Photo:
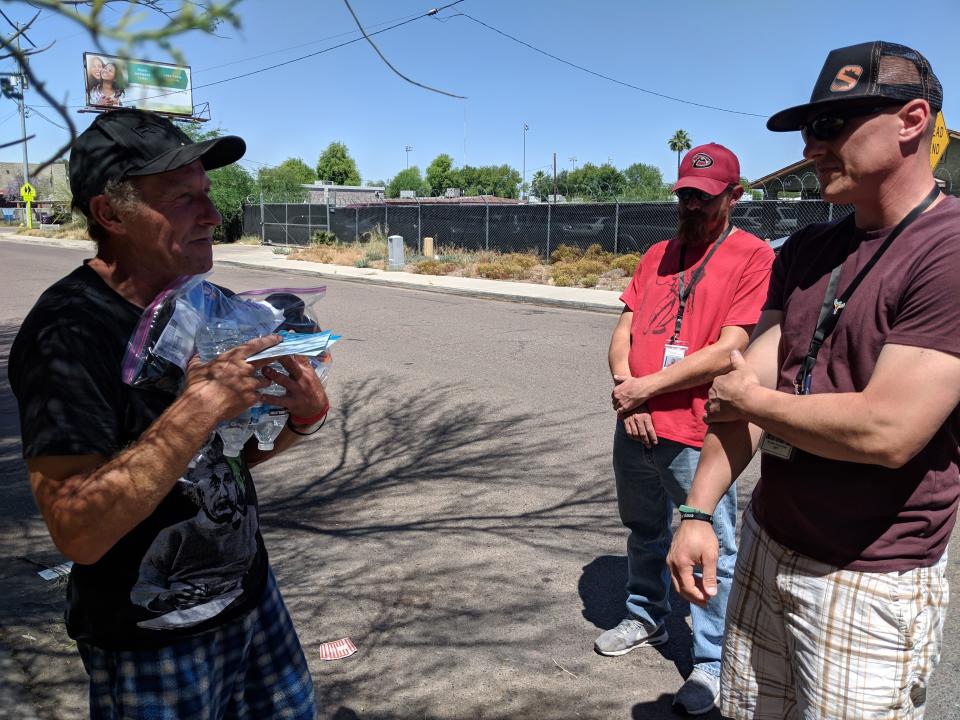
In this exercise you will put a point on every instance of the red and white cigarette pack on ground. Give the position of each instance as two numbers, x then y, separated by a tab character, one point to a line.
337	649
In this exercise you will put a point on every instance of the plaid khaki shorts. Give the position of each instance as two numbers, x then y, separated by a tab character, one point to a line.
807	641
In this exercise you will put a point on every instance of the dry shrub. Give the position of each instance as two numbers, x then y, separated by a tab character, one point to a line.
628	263
565	253
524	260
434	267
561	277
597	252
589	280
331	254
499	270
588	266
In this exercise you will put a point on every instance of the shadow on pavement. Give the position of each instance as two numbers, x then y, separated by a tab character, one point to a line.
603	593
660	709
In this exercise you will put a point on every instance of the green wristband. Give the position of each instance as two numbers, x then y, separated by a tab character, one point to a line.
691	513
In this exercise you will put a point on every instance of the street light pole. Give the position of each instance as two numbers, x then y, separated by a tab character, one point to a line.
23	114
523	184
408	148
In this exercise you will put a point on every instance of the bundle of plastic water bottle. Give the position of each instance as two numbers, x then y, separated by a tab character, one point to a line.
194	315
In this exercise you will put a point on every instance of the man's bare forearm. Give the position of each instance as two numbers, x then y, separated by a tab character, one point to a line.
727	450
618	357
696	369
88	512
838	426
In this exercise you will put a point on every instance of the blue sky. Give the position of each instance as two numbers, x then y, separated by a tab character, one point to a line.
754	57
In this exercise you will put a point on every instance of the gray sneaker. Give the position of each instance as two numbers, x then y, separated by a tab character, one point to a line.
699	694
629	634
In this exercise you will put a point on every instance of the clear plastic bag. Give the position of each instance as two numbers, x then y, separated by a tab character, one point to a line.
192	315
158	351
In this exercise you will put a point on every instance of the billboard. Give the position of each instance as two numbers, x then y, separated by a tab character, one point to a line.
117	82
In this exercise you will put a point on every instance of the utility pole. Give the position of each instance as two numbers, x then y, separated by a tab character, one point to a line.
573	159
523	183
554	177
408	148
23	113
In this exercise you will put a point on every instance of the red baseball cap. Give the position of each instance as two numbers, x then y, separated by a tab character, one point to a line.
711	168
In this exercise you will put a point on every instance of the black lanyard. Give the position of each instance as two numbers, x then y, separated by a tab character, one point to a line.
694	279
833	306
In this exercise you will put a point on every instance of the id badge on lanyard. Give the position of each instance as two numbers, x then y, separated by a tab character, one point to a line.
674	352
775	447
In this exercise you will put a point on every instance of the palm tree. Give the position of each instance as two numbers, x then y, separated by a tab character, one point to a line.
678	143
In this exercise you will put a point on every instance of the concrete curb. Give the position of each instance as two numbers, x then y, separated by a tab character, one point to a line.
603	301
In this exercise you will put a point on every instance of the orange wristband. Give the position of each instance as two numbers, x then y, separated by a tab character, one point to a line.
297	420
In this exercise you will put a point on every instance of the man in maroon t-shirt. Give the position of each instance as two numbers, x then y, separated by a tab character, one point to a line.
850	389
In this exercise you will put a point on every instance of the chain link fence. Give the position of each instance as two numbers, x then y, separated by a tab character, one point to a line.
507	227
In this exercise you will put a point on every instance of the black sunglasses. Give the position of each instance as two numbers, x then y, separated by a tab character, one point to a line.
685	194
832	124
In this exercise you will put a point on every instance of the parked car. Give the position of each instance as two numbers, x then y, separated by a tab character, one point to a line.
755	218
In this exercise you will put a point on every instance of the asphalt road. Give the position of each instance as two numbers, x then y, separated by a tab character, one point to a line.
456	518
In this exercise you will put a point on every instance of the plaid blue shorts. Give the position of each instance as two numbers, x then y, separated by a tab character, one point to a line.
250	669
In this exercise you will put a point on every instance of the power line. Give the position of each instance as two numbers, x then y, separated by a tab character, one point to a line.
297	47
326	50
601	75
388	63
33	109
17	28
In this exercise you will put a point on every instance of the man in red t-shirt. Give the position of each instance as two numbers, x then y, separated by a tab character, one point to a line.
692	301
850	389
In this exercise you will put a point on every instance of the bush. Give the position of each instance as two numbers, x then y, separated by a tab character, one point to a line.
589	280
628	263
562	278
361	263
524	260
565	253
323	237
433	267
588	266
596	251
427	267
499	271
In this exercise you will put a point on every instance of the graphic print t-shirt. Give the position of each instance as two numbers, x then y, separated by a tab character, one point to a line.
198	560
731	291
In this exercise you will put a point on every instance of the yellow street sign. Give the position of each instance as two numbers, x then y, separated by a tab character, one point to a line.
28	193
940	141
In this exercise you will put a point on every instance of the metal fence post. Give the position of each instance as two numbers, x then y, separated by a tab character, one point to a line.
549	208
263	227
328	214
419	230
616	225
487	225
356	225
286	222
830	212
386	219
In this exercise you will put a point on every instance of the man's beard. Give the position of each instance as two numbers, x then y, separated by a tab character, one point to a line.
695	227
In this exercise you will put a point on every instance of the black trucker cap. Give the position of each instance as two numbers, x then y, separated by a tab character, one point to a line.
869	72
129	142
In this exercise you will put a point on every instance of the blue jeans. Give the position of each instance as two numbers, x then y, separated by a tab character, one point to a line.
650	483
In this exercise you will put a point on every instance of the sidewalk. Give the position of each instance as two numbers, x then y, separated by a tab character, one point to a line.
258	256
